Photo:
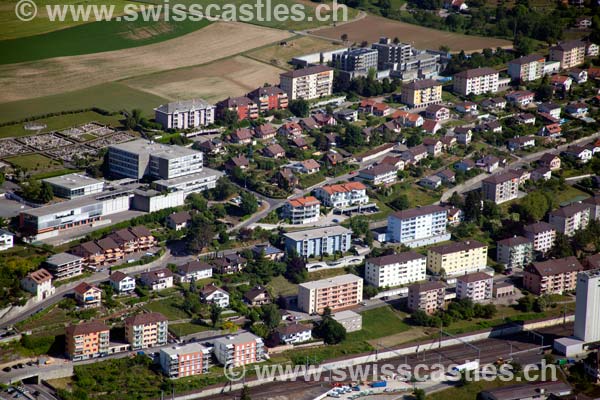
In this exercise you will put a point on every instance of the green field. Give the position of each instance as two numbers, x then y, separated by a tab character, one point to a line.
33	162
169	307
60	122
187	328
379	322
108	96
94	37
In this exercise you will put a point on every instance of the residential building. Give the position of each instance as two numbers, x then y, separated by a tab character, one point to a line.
527	68
431	126
179	220
265	131
158	279
570	54
319	241
414	155
496	103
568	220
550	108
477	81
193	271
418	226
146	330
464	165
421	93
541	173
587	307
594	204
64	265
274	151
240	162
293	333
309	166
551	161
501	187
396	269
110	248
87	340
463	135
39	283
269	98
71	186
184	360
531	391
307	83
354	60
121	282
237	350
408	119
432	182
514	252
230	264
552	276
467	107
257	296
302	210
542	235
434	146
457	258
338	292
578	153
561	82
186	114
344	195
525	118
592	50
380	174
350	320
6	239
93	256
488	163
552	131
348	115
290	130
577	110
243	106
447	175
477	286
268	251
579	75
87	295
503	289
521	143
212	294
391	53
428	296
520	98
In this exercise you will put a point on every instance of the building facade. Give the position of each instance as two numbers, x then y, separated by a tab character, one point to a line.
87	340
552	277
421	93
303	210
343	195
336	293
428	297
396	269
568	220
39	283
477	81
182	361
527	68
587	308
418	226
64	265
569	54
237	350
476	286
71	186
319	241
146	330
502	187
457	258
186	114
514	252
542	235
307	83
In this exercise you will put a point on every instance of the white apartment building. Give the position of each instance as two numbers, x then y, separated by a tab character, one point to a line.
237	350
477	286
294	333
568	220
542	234
587	307
74	185
193	271
457	258
157	280
307	83
396	269
418	226
527	68
476	81
501	187
336	293
39	283
344	195
64	265
319	241
514	252
303	210
212	294
380	174
187	360
186	114
6	240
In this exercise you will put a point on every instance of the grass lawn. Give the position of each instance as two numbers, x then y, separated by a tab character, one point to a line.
170	308
187	328
34	162
570	194
325	273
108	96
94	37
61	122
50	317
467	392
280	56
282	287
308	180
379	322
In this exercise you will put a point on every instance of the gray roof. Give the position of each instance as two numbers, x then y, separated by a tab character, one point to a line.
528	390
143	146
417	212
240	338
318	232
185	349
183	106
473	73
316	69
329	282
399	258
205	173
72	181
62	258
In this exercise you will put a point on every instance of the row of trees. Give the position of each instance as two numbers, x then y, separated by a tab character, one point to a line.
463	309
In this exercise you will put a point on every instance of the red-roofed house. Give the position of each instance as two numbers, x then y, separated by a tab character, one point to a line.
303	210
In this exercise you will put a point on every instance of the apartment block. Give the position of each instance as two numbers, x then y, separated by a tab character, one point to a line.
302	210
186	360
64	265
39	283
514	252
476	286
319	241
243	106
457	258
568	220
390	54
396	269
307	83
71	186
477	81
421	93
343	196
237	350
587	307
360	59
380	174
87	295
293	333
541	234
336	293
552	277
87	340
418	226
269	98
527	68
146	330
428	296
501	187
187	114
570	54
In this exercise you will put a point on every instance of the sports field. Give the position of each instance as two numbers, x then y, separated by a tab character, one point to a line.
214	81
371	28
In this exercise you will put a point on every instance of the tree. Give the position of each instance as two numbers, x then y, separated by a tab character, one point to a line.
200	234
296	269
419	394
245	395
299	108
215	314
401	202
534	206
248	203
344	37
331	331
472	208
229	117
270	315
524	45
353	136
525	303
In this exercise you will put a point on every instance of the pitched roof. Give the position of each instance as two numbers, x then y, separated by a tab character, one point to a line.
419	211
502	177
527	59
210	289
457	246
378	169
90	248
255	292
84	287
477	72
570	210
145	319
86	328
193	266
474	277
429	125
274	149
310	164
140	231
316	69
123	235
107	243
180	217
567	46
514	241
539	227
422	84
304	201
39	276
117	276
555	267
399	258
344	187
426	286
292	329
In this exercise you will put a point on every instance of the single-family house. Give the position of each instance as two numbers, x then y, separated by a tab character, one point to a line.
463	135
193	271
577	110
121	282
212	294
521	142
274	151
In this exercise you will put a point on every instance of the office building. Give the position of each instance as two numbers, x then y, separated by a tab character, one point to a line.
87	340
457	258
421	93
428	296
187	114
587	308
237	350
185	360
501	187
336	293
396	269
476	286
555	276
477	81
418	226
307	83
319	241
74	185
568	220
361	59
146	330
